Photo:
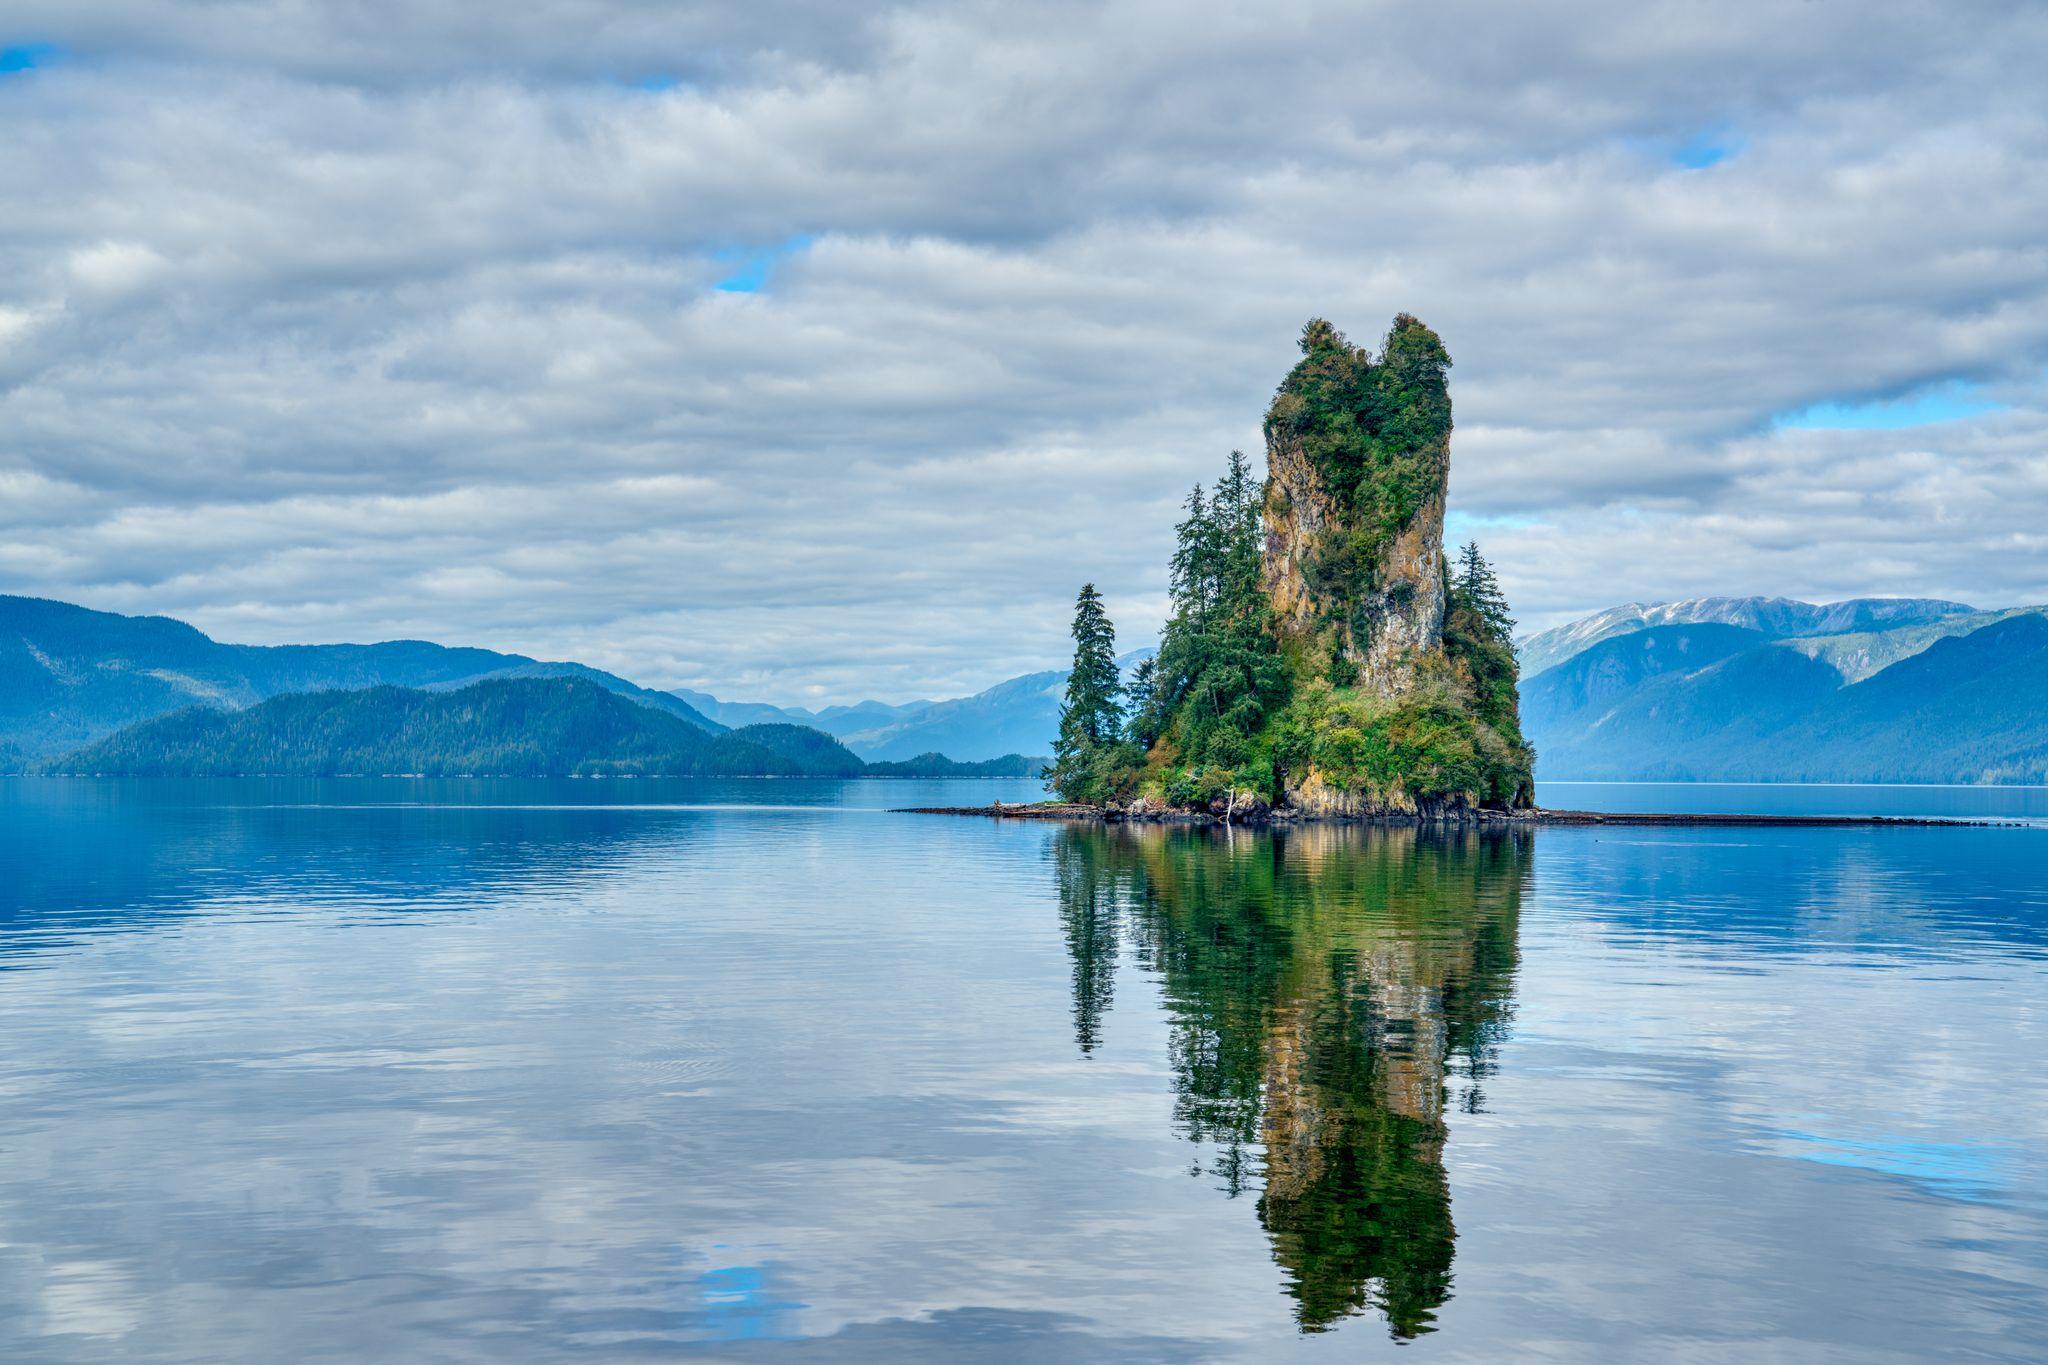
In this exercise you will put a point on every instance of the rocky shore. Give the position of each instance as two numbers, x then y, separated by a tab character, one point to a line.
1263	818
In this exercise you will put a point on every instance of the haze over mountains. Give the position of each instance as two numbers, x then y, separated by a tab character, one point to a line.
1019	715
1764	689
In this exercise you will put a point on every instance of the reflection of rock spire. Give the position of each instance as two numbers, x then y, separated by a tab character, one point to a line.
1324	984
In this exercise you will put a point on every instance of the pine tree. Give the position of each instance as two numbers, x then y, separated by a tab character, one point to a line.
1091	720
1218	674
1477	588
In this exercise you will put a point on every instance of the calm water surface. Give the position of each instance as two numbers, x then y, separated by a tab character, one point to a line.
760	1071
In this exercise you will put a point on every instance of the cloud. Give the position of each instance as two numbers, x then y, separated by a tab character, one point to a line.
806	355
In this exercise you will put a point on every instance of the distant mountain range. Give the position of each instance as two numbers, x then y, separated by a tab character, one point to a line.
1777	617
1752	688
70	677
1759	689
1021	715
500	727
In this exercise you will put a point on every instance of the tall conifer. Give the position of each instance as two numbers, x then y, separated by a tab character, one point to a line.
1091	720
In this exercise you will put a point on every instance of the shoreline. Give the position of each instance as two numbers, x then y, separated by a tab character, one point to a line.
1081	814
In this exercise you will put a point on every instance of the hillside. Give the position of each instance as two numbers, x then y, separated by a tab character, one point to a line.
1715	703
1666	702
515	727
69	675
814	753
1972	708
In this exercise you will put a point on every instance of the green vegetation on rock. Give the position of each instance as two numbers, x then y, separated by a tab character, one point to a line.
1320	655
1373	431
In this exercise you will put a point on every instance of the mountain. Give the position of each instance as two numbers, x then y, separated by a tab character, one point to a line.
1018	716
863	716
1667	703
734	714
1715	702
610	682
1776	617
1591	682
515	727
1971	708
69	675
837	721
1858	655
815	753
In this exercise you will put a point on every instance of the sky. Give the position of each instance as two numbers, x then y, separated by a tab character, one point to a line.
806	353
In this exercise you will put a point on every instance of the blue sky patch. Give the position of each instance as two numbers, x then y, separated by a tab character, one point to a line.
751	266
1709	147
25	57
1946	402
1460	527
1693	151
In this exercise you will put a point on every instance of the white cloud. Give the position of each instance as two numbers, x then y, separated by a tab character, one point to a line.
401	320
111	269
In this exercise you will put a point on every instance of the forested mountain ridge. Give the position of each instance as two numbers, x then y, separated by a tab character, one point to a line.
69	675
507	727
500	727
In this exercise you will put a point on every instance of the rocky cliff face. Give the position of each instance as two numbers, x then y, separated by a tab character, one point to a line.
1358	453
1397	611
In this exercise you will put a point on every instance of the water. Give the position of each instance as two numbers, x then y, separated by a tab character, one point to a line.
2029	804
757	1070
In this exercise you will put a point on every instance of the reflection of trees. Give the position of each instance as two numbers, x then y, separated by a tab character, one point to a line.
1328	989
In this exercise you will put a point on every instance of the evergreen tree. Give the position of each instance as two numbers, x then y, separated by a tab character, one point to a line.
1090	741
1476	587
1218	674
1479	639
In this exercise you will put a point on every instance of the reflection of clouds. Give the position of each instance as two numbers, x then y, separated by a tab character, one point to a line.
839	1050
563	1121
88	1298
1675	1028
